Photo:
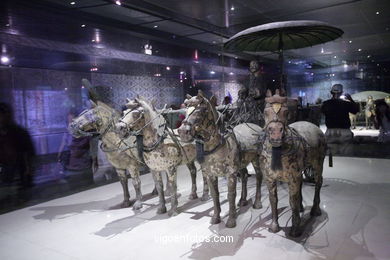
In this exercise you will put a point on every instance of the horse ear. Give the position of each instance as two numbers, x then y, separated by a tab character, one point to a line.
153	103
268	93
93	104
277	92
128	100
200	94
282	92
188	96
213	100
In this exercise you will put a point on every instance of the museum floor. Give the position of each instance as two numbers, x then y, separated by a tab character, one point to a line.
355	223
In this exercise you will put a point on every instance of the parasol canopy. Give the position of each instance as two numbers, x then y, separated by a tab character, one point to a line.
279	36
363	96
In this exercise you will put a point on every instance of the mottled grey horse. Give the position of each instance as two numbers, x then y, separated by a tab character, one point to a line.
286	151
122	154
162	150
222	154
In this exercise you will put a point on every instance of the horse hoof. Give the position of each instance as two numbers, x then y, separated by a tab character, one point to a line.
161	210
274	228
154	191
315	212
242	203
215	220
125	204
193	196
205	197
231	223
173	212
294	232
137	205
257	205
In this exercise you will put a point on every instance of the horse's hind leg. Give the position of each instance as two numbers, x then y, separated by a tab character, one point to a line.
294	187
168	189
315	210
232	190
137	186
244	190
160	190
259	179
213	184
205	195
273	198
192	168
123	180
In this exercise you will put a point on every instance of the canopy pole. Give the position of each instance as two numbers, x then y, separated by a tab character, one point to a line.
281	61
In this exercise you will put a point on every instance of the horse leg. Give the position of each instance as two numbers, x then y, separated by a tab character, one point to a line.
213	184
123	180
168	190
259	180
172	177
315	210
205	195
192	168
232	185
301	208
273	199
295	202
160	190
137	186
244	192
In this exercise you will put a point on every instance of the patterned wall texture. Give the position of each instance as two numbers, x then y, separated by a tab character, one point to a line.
221	90
116	88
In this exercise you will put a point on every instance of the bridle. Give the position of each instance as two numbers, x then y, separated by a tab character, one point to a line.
97	121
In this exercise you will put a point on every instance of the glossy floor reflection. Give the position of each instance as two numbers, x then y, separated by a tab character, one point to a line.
355	223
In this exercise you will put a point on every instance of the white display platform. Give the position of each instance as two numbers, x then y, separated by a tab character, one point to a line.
355	223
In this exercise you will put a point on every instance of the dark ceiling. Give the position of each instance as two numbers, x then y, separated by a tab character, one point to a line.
207	23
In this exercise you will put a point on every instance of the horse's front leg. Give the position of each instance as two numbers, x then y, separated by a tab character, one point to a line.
273	199
123	180
168	189
294	187
232	185
160	190
244	192
133	169
205	195
213	184
259	179
172	178
192	168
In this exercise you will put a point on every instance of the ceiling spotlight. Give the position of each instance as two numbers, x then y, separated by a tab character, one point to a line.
335	57
65	89
377	13
377	64
212	72
117	2
231	73
273	80
182	72
4	59
322	50
232	8
83	25
359	49
82	86
168	68
345	65
7	25
236	57
214	42
72	3
155	26
350	41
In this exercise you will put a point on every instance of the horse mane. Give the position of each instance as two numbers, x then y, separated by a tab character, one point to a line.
151	115
115	113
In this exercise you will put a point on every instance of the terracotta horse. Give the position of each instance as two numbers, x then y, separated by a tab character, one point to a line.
369	112
222	154
122	154
162	150
287	151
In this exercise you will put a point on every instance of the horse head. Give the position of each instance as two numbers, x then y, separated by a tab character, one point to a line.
275	115
201	118
95	120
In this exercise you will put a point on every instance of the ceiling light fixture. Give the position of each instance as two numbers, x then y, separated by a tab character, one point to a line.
231	73
83	25
155	26
72	3
359	49
322	50
5	59
168	68
350	41
377	13
335	57
232	8
212	72
117	2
